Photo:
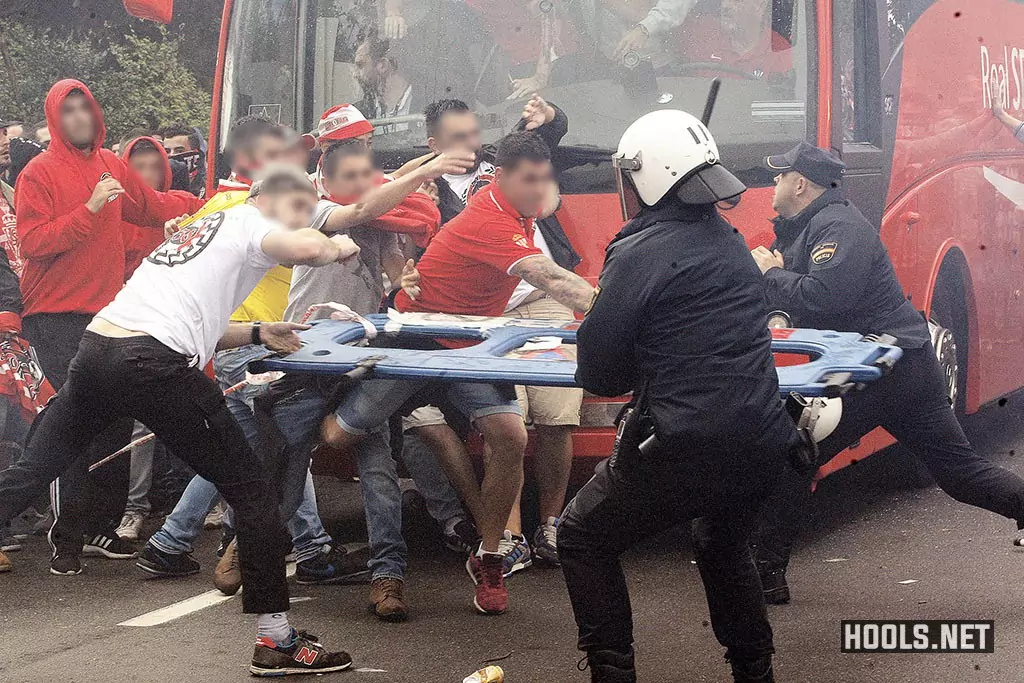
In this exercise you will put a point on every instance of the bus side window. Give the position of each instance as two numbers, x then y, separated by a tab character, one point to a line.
857	101
856	70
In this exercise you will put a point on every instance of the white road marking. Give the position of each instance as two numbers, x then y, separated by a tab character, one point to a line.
186	607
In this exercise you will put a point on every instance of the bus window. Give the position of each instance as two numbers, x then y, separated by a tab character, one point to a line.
857	70
605	62
260	68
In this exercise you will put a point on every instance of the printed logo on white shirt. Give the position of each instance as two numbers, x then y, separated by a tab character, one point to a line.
187	243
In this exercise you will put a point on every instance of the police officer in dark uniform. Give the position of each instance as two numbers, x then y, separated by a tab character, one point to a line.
681	320
828	269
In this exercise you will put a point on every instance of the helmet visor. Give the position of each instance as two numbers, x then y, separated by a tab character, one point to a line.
629	198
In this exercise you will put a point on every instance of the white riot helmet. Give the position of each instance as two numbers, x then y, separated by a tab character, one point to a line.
670	150
818	417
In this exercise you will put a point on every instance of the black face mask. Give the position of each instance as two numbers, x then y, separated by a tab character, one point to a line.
193	159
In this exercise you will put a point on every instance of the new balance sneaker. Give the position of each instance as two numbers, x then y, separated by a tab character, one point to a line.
65	564
461	537
227	577
545	541
491	595
158	563
334	564
387	599
112	547
5	564
515	552
130	526
303	655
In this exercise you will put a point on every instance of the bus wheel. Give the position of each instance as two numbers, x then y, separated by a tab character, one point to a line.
948	326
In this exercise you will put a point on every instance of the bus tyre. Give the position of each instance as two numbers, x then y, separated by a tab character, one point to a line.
948	326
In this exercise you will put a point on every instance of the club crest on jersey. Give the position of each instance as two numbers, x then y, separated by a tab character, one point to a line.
187	243
823	253
479	183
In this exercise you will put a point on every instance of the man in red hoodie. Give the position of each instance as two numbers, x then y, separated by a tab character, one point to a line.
149	159
71	203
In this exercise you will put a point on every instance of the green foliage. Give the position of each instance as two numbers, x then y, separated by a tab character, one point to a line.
140	82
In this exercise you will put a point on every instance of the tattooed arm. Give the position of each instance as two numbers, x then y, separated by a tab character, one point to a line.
564	286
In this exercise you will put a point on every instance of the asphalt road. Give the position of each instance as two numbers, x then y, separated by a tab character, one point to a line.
868	533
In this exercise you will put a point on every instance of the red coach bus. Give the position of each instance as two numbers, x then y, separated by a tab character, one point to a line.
902	89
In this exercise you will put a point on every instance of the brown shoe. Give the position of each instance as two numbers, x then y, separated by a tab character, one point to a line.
227	577
5	564
387	598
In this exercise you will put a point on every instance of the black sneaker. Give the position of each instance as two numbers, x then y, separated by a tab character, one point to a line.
334	565
226	536
113	547
65	564
159	563
609	666
463	539
304	655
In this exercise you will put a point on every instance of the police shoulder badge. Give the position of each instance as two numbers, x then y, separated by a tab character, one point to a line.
823	253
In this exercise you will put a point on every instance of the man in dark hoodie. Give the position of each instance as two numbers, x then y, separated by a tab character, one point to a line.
71	202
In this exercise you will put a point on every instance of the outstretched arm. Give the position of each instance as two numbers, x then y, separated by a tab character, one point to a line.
564	286
307	247
389	195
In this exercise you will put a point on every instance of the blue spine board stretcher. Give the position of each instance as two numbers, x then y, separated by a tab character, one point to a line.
521	351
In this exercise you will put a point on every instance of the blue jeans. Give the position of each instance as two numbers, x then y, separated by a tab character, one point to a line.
372	402
378	479
296	422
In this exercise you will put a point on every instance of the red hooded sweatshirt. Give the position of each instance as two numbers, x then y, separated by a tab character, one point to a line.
140	241
74	259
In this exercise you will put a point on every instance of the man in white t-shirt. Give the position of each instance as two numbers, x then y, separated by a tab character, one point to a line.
142	357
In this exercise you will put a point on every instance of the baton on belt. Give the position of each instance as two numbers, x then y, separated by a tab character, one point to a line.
149	437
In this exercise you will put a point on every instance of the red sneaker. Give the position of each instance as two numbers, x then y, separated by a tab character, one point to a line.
487	573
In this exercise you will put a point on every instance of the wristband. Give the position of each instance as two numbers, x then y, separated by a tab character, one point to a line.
254	335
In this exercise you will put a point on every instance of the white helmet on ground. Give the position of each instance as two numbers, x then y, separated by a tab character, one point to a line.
819	417
670	150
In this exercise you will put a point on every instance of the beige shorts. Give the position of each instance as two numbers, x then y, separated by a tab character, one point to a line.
548	406
425	416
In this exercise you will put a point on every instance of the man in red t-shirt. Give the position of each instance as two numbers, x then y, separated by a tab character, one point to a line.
472	267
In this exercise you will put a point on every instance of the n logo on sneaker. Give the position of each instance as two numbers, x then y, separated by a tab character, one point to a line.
306	655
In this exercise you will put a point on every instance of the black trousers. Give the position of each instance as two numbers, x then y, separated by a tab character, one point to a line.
84	503
629	500
141	379
911	404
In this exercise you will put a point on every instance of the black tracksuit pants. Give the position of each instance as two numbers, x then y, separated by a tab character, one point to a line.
139	378
630	500
911	404
84	503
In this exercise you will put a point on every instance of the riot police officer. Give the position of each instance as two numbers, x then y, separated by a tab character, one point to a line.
828	269
680	319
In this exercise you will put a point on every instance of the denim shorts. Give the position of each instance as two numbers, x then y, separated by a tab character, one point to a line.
373	401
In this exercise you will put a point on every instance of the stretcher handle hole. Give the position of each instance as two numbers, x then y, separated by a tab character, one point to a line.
321	352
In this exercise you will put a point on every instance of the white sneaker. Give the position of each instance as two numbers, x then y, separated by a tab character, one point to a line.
131	525
215	517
